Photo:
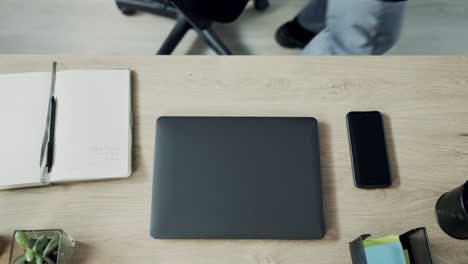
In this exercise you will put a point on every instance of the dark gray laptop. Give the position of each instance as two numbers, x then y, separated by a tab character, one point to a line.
237	177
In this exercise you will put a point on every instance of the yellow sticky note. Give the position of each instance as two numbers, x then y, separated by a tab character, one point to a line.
381	240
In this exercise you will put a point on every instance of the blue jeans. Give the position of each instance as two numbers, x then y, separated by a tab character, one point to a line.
352	27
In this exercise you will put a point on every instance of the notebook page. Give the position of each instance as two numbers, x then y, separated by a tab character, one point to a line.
24	99
93	125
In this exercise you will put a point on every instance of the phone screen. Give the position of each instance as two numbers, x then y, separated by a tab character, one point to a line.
368	150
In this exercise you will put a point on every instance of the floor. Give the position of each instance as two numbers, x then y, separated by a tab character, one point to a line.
433	27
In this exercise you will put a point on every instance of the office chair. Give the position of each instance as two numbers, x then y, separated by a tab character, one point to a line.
189	15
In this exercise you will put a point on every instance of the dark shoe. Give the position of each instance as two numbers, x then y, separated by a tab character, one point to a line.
293	35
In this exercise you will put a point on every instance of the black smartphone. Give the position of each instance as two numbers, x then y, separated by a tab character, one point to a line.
369	157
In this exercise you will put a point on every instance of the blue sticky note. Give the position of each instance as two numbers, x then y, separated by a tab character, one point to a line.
390	253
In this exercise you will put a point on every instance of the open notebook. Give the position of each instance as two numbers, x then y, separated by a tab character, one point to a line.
93	126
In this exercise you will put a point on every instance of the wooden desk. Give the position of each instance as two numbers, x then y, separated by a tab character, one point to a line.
425	100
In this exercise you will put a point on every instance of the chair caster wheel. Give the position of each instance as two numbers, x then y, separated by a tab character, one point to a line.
261	5
127	11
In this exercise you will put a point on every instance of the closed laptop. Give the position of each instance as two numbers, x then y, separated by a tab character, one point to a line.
237	177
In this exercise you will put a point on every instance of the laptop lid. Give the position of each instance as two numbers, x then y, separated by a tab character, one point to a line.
237	177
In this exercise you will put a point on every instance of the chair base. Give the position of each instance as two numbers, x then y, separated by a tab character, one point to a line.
183	24
179	31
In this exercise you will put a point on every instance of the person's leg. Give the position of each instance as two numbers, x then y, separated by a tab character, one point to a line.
301	29
358	27
312	17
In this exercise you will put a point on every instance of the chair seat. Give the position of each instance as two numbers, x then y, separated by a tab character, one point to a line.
224	11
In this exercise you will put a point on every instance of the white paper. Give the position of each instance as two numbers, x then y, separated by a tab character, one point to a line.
93	125
24	99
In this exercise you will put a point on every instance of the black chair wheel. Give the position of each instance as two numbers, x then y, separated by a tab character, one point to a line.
127	11
261	5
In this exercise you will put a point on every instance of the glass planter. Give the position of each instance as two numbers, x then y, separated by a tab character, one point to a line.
60	255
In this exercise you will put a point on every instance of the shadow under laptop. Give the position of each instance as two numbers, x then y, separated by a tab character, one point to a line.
328	183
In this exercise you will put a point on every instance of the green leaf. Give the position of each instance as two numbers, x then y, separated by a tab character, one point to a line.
30	255
39	260
20	260
32	241
41	242
48	260
22	240
53	243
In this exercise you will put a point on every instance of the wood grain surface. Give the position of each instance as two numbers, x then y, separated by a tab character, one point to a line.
425	102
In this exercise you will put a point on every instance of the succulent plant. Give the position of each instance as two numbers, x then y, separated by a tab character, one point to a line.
36	251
